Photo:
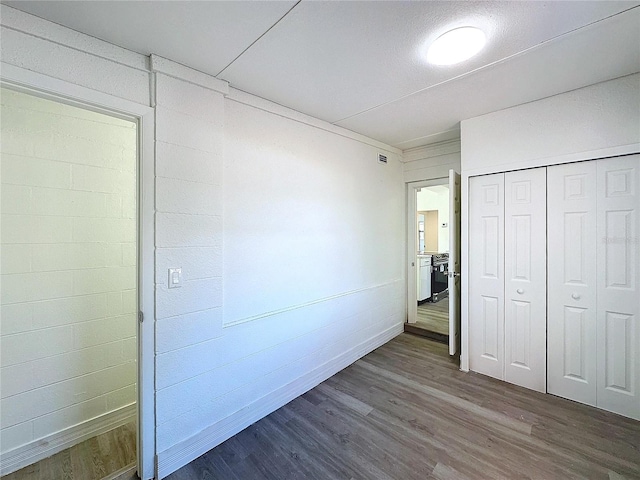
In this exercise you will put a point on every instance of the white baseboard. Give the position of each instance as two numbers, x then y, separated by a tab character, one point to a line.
188	450
44	447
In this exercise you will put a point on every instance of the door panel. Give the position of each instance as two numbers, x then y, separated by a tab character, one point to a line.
571	322
491	328
618	307
520	315
525	278
492	251
486	275
618	357
575	347
454	261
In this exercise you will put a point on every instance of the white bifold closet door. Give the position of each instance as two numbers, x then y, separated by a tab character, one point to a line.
594	296
486	275
571	322
525	314
507	277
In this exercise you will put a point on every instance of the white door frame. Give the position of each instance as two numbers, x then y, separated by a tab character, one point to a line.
69	93
412	234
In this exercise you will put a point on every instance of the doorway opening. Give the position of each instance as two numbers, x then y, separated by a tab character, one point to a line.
70	289
433	242
432	204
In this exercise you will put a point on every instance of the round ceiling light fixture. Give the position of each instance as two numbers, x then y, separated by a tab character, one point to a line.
456	46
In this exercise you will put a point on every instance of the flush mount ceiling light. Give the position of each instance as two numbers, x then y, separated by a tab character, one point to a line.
456	46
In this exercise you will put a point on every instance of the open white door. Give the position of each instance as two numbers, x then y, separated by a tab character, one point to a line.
454	261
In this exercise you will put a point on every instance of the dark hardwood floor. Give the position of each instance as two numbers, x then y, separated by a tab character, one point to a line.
405	412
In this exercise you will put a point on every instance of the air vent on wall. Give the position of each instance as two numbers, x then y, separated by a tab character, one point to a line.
382	158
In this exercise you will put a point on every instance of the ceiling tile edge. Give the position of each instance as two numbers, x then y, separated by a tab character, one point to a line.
286	112
432	150
177	70
28	24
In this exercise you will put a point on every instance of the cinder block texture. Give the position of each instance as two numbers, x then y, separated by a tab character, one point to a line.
68	266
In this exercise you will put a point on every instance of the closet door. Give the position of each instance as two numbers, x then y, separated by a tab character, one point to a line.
618	292
525	285
486	275
571	322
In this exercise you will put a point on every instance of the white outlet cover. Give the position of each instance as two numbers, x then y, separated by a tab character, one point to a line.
175	277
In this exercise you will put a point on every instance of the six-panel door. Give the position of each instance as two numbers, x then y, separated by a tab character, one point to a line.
618	292
571	322
525	278
486	275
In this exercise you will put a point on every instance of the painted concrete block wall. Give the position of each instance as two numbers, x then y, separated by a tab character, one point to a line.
44	47
290	240
68	183
213	380
189	208
555	129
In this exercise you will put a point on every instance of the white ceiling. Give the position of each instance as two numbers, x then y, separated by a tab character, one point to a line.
358	64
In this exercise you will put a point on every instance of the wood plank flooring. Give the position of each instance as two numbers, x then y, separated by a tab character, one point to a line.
103	456
434	316
432	321
406	412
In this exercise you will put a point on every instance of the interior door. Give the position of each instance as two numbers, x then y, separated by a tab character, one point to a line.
486	275
571	291
618	288
454	261
525	285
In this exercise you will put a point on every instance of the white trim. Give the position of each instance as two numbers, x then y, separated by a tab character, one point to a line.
184	452
432	150
36	450
45	86
617	151
464	275
60	90
55	33
432	138
232	323
188	74
268	106
146	447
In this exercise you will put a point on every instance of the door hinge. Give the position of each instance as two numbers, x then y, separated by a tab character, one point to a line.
140	317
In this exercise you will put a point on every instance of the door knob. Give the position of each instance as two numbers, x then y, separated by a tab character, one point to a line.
575	296
519	291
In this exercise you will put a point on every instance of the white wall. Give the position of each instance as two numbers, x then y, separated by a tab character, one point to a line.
308	215
571	126
236	178
432	199
309	278
596	121
68	179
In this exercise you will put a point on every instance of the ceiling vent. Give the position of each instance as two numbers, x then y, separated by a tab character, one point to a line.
382	158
